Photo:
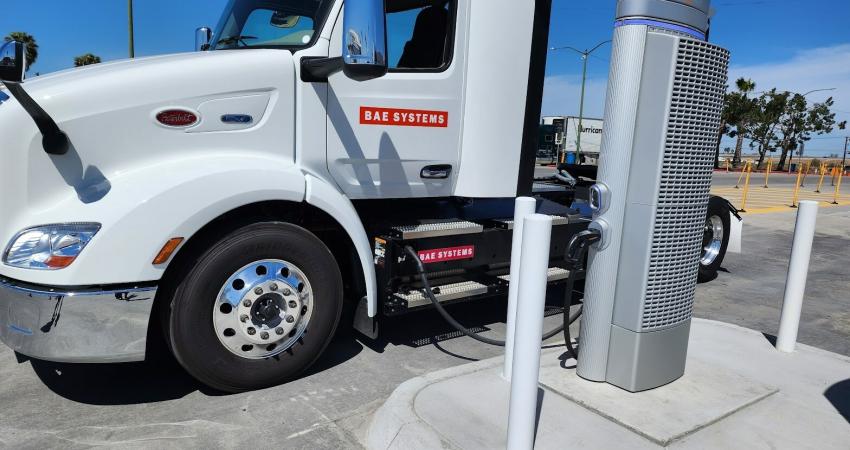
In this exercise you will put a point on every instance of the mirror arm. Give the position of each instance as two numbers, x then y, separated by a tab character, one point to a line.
317	69
54	141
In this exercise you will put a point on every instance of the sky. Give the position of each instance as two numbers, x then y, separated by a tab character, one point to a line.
795	45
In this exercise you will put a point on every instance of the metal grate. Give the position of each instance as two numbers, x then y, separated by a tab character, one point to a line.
429	230
697	102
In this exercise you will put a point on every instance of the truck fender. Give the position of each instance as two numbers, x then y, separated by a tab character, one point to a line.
326	197
147	206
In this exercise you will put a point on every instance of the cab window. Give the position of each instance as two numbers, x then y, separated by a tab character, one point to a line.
270	23
420	34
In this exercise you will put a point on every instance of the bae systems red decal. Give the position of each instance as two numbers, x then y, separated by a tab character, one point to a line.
370	115
447	254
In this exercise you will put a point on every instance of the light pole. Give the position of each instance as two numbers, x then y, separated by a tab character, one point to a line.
791	159
130	28
844	155
584	56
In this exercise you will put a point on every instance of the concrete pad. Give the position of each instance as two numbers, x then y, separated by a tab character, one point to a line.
707	393
738	392
482	423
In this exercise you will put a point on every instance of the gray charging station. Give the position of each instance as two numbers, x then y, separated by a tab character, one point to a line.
652	192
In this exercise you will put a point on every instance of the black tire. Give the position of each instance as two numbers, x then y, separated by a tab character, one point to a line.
713	251
192	334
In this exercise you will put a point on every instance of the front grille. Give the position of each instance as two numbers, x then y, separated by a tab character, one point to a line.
697	102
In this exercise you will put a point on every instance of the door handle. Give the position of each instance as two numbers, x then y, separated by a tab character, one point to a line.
436	172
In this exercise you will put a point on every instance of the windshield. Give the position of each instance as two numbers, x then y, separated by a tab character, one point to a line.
270	23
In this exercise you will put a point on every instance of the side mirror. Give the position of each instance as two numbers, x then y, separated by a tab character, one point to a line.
13	61
364	40
203	38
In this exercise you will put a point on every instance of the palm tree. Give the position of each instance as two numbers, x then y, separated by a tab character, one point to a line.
741	109
85	60
29	43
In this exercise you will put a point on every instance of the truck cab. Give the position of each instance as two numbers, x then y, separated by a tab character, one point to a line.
236	200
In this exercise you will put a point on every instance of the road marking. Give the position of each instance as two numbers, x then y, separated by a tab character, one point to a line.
777	199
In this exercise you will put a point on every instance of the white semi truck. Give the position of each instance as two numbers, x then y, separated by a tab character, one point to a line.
236	200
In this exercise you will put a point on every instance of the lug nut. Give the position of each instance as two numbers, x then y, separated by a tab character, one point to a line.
252	331
258	291
287	291
293	304
290	319
279	331
247	303
264	335
244	318
273	287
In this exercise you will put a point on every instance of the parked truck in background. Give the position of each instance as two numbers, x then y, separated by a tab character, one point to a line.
236	200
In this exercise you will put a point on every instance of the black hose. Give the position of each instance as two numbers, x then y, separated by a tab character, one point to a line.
426	285
576	250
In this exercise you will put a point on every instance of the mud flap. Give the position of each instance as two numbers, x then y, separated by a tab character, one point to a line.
736	233
363	324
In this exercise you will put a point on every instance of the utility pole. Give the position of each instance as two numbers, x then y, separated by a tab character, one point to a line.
844	156
584	56
130	28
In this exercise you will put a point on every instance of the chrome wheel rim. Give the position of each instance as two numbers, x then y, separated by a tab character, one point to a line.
713	240
263	309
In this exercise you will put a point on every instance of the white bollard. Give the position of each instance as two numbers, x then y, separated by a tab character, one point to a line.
798	270
522	414
524	206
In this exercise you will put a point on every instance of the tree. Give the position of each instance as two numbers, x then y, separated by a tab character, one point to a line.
740	114
29	44
799	122
85	60
766	115
726	117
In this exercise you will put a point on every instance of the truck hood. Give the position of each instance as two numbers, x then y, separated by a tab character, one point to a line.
109	113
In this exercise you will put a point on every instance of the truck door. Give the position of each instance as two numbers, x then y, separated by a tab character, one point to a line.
398	136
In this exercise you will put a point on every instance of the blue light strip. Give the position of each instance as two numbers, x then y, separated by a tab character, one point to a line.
663	25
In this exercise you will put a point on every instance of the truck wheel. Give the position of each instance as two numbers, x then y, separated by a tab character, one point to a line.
715	240
257	309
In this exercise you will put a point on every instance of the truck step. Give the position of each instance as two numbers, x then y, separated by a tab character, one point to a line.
508	224
443	293
553	274
430	230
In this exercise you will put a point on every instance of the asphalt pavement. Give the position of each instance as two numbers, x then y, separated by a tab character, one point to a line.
47	405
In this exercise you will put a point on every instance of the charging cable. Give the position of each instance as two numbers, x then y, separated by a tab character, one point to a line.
576	250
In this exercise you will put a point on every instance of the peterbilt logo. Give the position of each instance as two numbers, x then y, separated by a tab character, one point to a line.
177	118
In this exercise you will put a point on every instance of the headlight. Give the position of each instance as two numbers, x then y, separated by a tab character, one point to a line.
49	247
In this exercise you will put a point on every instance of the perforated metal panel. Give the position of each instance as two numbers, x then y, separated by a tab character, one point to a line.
691	141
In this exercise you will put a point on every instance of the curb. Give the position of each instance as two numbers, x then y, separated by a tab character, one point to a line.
401	427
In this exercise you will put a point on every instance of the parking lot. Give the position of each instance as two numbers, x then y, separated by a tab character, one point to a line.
156	404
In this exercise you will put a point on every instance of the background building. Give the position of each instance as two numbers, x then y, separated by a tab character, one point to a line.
559	134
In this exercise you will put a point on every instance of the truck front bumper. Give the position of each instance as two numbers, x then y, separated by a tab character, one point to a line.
75	326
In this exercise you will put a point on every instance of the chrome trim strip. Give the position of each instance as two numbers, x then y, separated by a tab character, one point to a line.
53	292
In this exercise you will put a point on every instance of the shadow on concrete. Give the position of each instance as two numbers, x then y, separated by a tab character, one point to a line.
118	384
160	379
539	412
428	328
839	395
770	338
